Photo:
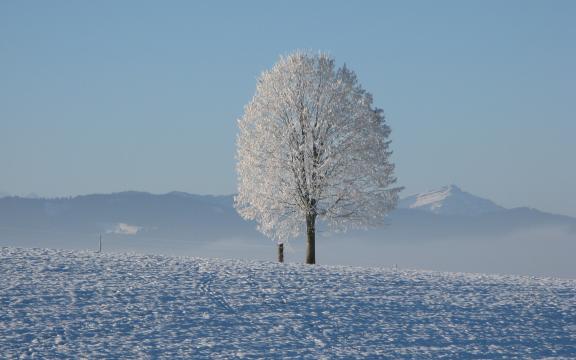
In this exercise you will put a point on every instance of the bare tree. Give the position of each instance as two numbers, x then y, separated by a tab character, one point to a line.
311	146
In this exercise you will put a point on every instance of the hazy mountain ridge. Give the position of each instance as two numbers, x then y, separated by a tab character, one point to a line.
448	210
165	214
422	236
450	200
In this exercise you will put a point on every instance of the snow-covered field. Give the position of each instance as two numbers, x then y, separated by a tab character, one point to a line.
56	303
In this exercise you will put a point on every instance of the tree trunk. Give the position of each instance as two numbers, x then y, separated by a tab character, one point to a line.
311	234
280	253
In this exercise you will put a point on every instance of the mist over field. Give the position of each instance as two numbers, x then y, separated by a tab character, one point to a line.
448	230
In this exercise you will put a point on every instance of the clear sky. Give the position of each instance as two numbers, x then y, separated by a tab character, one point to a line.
106	96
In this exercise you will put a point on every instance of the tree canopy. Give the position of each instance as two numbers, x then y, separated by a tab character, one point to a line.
311	144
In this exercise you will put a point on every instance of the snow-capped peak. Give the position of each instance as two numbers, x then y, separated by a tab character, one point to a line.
450	200
435	198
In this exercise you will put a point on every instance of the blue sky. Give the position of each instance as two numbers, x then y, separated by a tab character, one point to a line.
109	96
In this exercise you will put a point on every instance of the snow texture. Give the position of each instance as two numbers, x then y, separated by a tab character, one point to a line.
65	304
450	200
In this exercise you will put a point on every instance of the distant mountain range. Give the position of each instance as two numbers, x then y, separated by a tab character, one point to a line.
447	222
450	200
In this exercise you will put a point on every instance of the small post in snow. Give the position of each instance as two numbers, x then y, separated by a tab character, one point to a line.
281	252
100	244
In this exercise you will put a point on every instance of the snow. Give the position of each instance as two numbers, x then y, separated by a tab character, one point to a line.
60	303
450	200
433	199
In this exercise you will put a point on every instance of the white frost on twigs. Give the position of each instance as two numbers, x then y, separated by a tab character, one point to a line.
311	143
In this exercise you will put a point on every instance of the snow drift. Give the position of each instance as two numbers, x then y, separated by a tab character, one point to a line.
65	304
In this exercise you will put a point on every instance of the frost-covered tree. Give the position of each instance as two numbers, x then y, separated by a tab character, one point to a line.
311	146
